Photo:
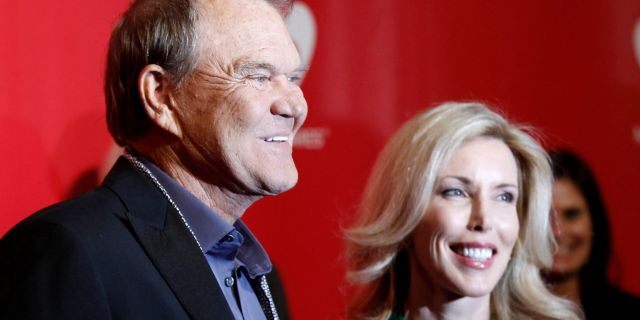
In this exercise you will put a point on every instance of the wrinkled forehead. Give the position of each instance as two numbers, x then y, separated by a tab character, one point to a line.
237	11
246	29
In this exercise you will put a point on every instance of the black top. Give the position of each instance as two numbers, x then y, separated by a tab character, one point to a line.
610	303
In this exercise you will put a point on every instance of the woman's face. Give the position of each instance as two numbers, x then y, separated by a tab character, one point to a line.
464	242
572	228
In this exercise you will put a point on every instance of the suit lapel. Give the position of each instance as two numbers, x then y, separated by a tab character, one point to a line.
169	244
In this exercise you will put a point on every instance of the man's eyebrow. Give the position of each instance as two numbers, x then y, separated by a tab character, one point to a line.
301	69
244	65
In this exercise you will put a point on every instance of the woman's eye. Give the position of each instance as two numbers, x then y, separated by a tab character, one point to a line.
453	192
572	214
506	197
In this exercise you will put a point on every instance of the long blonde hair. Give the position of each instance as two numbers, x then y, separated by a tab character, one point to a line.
398	193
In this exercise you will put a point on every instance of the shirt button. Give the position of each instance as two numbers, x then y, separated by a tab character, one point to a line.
229	281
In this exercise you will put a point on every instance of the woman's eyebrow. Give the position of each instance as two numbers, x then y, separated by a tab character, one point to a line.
467	181
462	179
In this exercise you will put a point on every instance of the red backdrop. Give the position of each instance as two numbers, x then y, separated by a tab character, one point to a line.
566	67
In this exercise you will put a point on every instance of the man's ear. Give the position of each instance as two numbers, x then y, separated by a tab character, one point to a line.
157	95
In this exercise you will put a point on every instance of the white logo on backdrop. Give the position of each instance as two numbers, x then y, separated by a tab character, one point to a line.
303	29
313	138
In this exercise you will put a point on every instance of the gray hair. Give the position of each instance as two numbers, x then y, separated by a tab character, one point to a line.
398	194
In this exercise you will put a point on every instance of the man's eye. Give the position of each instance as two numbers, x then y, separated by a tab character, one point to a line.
259	78
452	192
506	197
294	79
258	81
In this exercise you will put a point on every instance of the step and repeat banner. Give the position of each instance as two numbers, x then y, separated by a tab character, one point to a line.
569	68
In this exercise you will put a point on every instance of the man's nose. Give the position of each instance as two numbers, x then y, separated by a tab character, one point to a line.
480	220
290	102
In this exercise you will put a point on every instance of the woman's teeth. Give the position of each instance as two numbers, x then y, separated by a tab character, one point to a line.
476	253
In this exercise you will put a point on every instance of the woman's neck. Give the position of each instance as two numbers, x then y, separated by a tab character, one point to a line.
461	308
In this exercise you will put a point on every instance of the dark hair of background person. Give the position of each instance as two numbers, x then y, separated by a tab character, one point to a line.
151	32
569	166
596	293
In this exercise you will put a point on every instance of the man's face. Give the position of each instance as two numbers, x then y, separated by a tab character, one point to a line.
240	110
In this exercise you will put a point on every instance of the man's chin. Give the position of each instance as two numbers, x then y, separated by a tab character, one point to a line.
277	186
281	188
267	180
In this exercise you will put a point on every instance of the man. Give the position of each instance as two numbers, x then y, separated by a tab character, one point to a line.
204	96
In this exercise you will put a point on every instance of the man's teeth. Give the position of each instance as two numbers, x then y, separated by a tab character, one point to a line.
476	253
277	139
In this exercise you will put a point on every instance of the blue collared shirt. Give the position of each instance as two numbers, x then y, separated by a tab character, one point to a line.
233	253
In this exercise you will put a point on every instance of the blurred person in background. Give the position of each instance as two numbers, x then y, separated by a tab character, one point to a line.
581	229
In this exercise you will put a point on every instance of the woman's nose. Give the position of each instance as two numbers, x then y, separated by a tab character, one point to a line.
479	219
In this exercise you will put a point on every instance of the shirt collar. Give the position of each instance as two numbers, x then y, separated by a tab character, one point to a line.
251	254
208	227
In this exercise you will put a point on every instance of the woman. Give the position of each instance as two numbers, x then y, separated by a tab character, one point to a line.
454	223
579	270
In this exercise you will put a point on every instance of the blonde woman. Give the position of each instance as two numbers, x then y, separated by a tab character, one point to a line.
454	223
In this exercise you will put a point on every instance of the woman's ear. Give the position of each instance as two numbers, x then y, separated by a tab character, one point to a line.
156	93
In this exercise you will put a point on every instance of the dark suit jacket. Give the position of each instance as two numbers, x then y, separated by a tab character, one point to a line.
117	252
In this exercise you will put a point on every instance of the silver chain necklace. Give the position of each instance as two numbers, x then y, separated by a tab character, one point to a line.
265	299
141	167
